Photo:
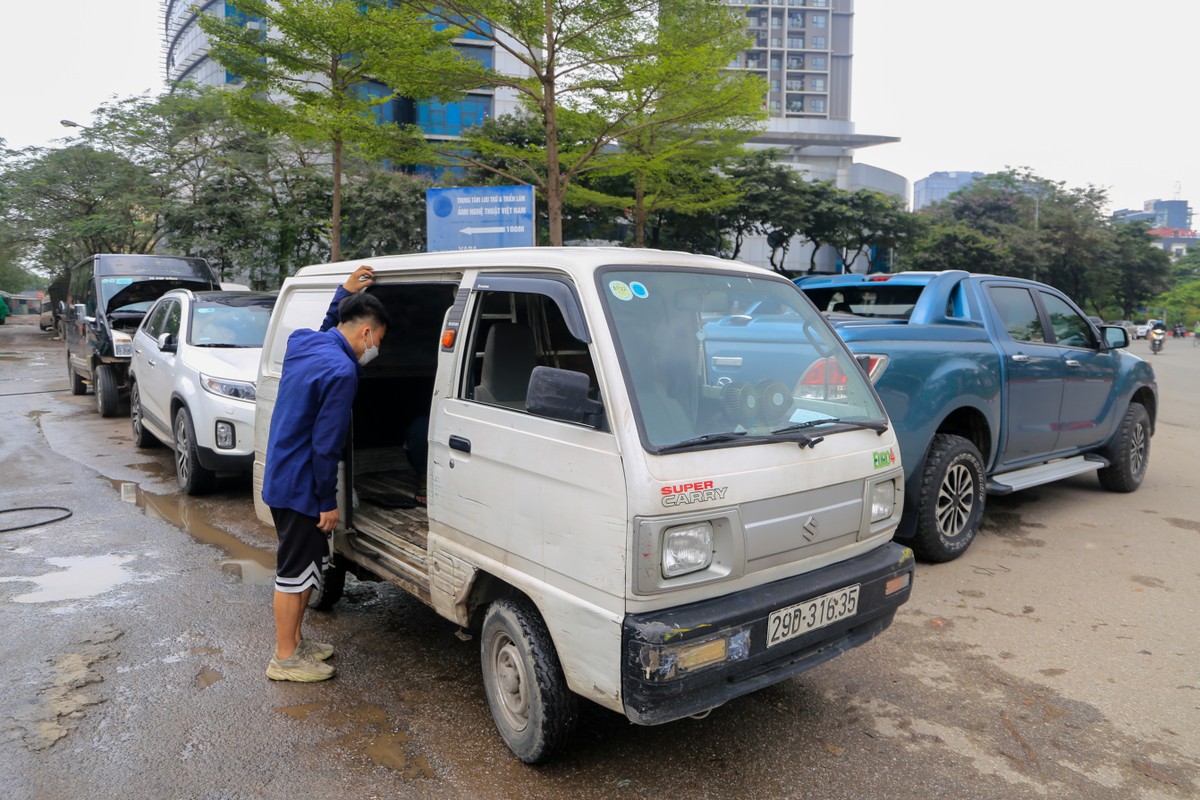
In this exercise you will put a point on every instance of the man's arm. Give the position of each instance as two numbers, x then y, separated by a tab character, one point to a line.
360	279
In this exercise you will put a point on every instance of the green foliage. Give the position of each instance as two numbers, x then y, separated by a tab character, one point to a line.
1017	223
617	88
385	213
309	78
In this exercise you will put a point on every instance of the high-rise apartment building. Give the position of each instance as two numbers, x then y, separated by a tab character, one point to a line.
937	186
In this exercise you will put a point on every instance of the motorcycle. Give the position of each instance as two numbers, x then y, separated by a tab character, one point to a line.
1157	337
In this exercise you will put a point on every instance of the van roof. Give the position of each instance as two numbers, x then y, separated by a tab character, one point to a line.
577	261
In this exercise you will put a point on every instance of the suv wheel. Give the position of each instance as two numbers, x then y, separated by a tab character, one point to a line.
953	491
193	477
141	436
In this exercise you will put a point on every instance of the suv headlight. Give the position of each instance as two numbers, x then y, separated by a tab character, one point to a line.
122	345
237	390
687	548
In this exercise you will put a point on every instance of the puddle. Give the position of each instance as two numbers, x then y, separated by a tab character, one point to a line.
80	576
246	563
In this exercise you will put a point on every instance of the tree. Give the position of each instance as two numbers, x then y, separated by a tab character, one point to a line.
385	212
318	70
608	71
1141	269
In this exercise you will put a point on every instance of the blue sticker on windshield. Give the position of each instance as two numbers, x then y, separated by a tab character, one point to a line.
639	290
118	281
205	310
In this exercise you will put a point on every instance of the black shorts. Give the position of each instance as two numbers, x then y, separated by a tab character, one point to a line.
303	551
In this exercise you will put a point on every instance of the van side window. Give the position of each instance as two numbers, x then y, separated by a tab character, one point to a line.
511	333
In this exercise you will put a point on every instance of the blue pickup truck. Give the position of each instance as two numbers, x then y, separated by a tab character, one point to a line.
993	385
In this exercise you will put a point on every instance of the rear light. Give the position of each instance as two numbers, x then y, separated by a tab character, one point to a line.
878	278
824	380
875	365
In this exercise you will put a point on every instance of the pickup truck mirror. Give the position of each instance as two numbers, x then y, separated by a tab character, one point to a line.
1115	337
562	394
80	312
166	342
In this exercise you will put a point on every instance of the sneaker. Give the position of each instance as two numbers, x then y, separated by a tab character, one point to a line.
301	668
318	650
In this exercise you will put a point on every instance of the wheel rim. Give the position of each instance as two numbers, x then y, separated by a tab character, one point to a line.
96	390
183	464
956	500
1138	445
510	681
135	412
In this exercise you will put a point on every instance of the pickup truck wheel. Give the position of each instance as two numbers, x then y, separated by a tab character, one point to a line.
952	498
329	590
141	436
78	387
532	707
1130	452
193	477
104	385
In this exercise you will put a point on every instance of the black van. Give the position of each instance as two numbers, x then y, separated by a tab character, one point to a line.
107	296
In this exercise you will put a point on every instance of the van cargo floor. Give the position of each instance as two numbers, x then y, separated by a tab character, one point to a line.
394	529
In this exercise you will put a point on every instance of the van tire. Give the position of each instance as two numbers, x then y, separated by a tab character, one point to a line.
193	477
141	436
950	506
1129	453
329	590
78	387
108	396
532	707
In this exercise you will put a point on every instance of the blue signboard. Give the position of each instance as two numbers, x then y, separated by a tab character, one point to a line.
475	217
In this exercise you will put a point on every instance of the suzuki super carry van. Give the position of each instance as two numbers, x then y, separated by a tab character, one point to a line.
626	507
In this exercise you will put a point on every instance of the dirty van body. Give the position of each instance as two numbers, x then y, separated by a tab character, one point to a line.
107	298
625	507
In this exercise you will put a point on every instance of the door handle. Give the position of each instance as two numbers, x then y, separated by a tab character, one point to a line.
460	444
137	350
1020	357
1072	362
150	361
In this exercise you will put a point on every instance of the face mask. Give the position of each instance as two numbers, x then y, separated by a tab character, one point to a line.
369	354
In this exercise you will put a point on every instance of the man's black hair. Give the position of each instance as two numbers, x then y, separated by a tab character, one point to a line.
362	307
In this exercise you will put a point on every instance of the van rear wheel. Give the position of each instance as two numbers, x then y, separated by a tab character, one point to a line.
329	590
532	707
78	387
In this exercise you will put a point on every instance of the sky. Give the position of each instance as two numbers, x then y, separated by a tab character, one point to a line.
1082	91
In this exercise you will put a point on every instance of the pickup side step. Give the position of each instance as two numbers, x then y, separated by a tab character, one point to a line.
1015	481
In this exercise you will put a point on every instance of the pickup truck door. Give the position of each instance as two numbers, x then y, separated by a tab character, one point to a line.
1034	377
1088	406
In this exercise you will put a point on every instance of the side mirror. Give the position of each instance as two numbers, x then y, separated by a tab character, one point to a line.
80	312
166	342
1115	337
562	394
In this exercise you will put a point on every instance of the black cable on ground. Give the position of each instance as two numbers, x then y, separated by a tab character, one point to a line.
59	518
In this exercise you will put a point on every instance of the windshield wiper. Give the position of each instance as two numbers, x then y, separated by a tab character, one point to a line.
222	344
708	438
878	427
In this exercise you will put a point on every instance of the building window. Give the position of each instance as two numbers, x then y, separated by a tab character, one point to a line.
795	104
774	106
816	62
818	20
818	84
774	85
816	105
795	85
484	55
817	42
795	62
796	42
451	119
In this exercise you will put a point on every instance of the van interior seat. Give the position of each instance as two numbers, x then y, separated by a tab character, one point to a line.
509	357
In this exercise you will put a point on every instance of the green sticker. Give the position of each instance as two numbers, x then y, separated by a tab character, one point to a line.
884	458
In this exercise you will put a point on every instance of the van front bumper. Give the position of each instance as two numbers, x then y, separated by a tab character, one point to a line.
654	644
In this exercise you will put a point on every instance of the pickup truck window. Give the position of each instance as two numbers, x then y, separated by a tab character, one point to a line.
1018	313
716	360
1070	329
893	301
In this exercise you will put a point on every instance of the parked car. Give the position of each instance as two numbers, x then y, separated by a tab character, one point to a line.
192	380
48	316
994	385
617	517
107	297
1130	328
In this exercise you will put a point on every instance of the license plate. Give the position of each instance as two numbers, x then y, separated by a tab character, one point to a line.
788	623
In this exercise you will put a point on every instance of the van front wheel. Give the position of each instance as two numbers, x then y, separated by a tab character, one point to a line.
108	396
533	709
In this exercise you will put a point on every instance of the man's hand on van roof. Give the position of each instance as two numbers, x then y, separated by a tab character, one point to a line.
360	279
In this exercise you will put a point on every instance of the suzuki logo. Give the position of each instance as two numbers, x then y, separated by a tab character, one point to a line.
811	527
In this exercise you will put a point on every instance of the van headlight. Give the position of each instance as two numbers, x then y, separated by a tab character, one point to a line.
237	390
687	548
883	500
122	345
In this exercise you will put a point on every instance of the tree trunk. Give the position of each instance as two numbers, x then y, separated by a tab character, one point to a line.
335	229
639	212
554	186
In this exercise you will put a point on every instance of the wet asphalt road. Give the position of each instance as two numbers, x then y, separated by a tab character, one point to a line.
1059	658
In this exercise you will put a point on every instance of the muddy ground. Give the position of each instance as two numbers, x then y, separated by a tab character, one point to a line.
1060	657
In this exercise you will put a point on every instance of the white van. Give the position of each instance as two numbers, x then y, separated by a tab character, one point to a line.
632	496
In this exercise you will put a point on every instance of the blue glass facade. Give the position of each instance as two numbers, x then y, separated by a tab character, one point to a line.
451	119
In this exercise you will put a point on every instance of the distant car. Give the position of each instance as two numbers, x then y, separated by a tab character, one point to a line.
192	380
48	320
1129	327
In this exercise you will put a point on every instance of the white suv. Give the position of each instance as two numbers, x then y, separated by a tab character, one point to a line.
195	361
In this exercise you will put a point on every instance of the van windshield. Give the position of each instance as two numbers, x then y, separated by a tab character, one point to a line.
714	359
